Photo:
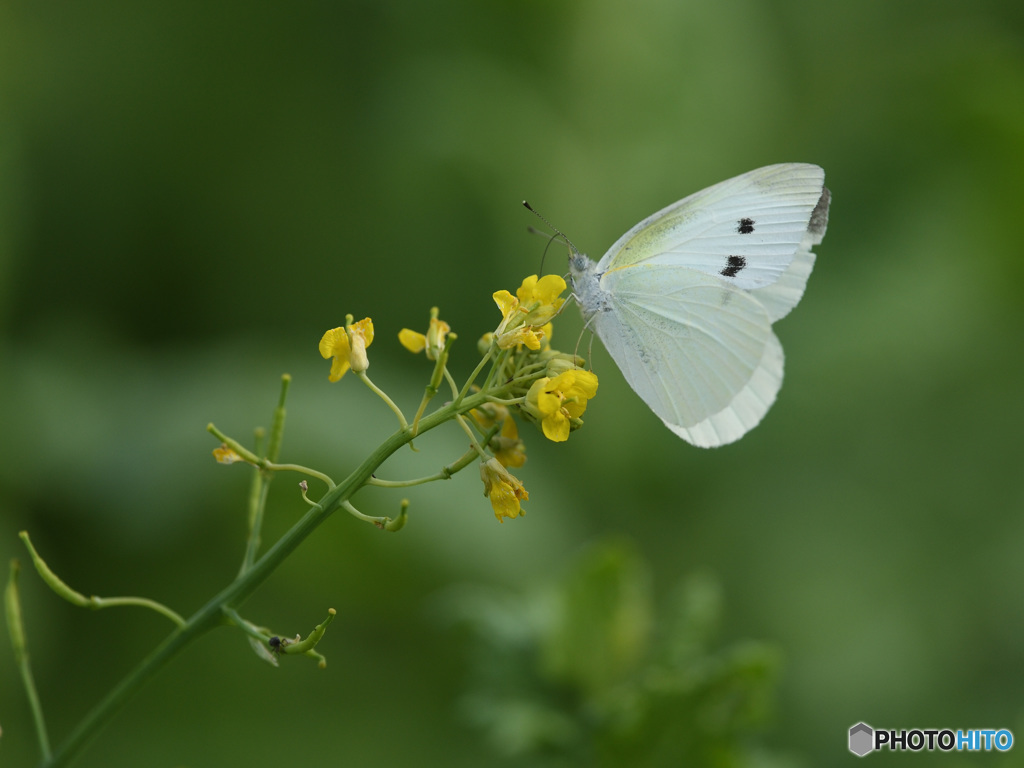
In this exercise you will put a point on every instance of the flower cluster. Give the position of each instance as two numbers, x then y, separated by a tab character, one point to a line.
526	378
551	387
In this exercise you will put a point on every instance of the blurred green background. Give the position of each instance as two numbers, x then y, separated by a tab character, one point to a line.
191	193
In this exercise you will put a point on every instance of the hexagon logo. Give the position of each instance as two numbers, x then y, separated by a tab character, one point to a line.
862	738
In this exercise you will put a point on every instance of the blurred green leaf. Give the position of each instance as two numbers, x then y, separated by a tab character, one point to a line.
591	684
600	621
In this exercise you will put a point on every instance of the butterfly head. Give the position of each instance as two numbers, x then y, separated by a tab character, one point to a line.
579	264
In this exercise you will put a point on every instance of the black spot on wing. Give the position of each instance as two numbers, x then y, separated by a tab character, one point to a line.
745	226
733	266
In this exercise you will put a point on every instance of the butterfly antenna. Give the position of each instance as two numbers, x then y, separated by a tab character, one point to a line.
558	232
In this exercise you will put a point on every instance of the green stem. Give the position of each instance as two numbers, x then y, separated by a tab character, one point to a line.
277	429
257	503
476	372
499	362
440	369
256	461
54	582
232	596
260	633
445	474
378	521
451	383
472	438
201	622
12	607
234	445
301	469
37	709
141	602
262	477
507	401
383	396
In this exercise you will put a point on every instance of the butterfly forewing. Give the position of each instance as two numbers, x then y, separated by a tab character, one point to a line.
785	293
746	229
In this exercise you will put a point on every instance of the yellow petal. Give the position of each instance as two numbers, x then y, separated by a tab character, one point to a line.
586	382
506	302
414	342
532	403
520	335
334	342
527	291
503	489
225	455
548	403
504	502
531	339
574	408
514	457
508	428
556	427
364	327
508	448
548	289
339	368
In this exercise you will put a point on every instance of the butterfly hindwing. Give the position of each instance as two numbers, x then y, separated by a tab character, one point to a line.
745	410
685	342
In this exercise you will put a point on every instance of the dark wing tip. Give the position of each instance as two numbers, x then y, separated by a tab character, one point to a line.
819	216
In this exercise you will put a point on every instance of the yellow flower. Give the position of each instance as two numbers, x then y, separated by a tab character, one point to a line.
225	455
546	292
526	316
433	341
489	414
507	303
557	401
503	489
508	449
524	334
511	331
347	345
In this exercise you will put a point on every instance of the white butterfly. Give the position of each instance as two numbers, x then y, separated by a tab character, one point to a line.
684	301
